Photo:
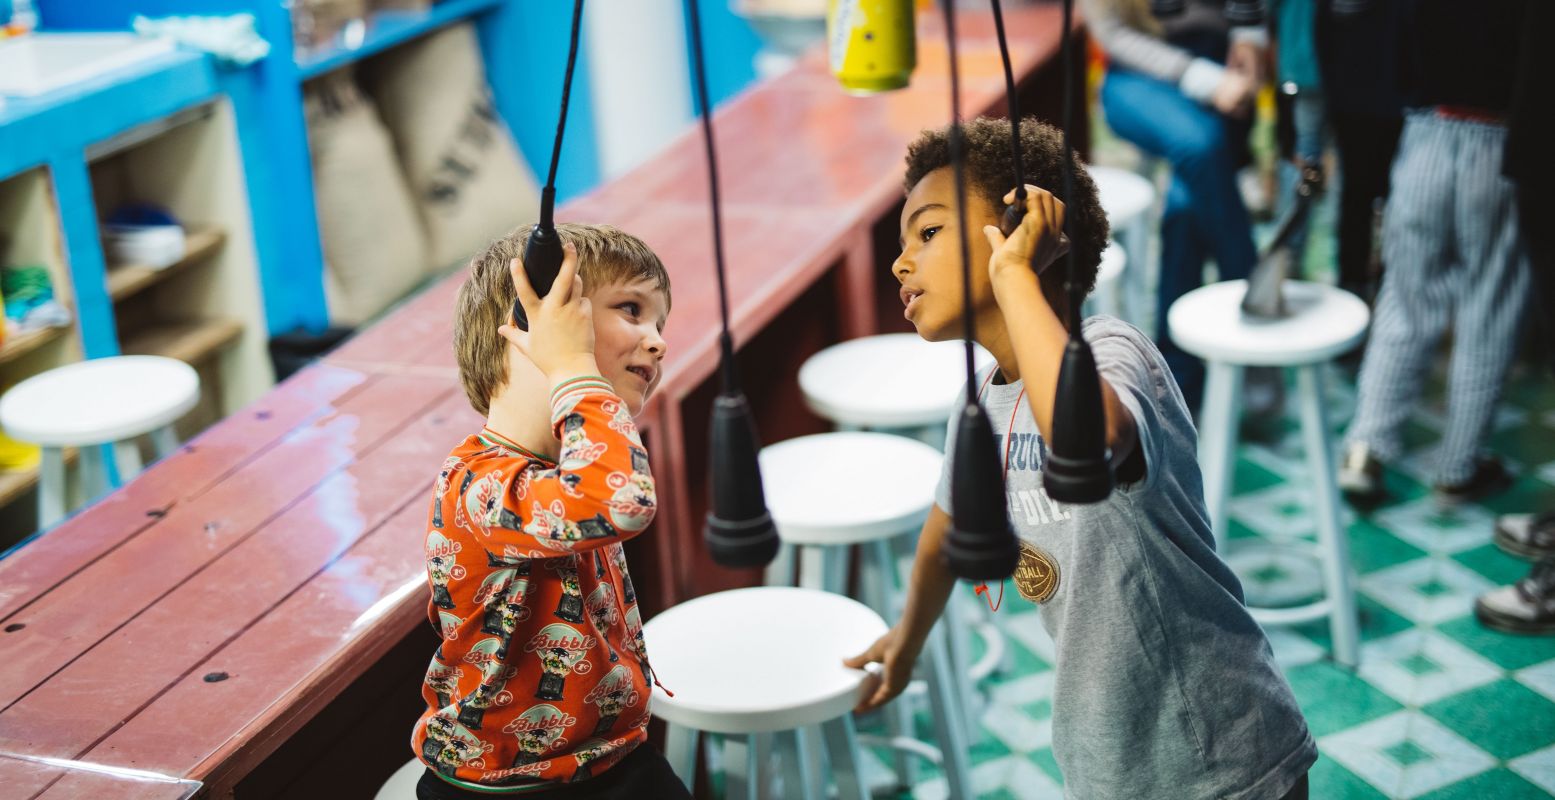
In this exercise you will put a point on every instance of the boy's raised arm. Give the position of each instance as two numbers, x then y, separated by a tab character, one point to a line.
600	491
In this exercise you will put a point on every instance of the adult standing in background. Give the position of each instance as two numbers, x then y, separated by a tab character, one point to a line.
1181	79
1357	61
1453	247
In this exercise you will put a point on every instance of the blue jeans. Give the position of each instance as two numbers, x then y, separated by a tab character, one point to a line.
1204	213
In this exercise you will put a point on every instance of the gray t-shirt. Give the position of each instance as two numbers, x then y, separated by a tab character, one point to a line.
1164	686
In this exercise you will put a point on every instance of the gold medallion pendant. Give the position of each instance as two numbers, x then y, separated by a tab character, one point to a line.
1036	576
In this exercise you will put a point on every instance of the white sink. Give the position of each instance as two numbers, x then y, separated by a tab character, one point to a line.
42	62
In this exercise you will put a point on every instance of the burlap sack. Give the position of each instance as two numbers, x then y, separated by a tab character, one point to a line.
469	180
374	248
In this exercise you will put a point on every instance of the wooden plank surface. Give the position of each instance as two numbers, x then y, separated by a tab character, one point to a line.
135	578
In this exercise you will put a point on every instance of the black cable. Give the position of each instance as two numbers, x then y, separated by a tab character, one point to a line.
1067	72
561	121
699	75
1014	108
957	156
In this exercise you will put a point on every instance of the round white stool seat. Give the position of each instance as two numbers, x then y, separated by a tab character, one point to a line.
894	380
1124	195
846	488
759	660
1324	322
99	401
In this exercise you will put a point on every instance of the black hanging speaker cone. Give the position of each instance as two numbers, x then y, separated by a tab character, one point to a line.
980	546
740	532
1078	468
542	255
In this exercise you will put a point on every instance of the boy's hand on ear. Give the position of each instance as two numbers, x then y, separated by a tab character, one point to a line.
560	340
1036	244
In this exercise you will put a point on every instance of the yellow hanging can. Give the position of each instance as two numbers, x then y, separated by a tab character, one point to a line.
871	44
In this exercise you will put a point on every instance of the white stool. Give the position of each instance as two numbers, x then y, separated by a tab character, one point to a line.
99	402
750	663
892	381
1324	322
831	491
1107	297
402	784
1127	198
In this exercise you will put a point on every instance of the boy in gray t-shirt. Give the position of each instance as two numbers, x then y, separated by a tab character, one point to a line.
1164	686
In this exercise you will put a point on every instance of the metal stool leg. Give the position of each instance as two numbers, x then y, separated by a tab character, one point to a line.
1332	539
1217	441
51	488
126	456
842	747
944	696
164	441
680	749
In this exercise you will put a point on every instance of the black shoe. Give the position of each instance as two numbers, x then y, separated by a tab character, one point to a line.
1360	474
1490	476
1527	606
1530	536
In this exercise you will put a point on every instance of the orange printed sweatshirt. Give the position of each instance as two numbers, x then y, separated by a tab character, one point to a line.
541	677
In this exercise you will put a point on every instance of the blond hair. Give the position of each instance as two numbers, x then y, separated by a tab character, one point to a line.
606	255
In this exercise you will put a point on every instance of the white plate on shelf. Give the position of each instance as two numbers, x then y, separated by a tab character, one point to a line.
38	63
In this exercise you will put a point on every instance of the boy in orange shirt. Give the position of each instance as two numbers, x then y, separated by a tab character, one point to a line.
541	685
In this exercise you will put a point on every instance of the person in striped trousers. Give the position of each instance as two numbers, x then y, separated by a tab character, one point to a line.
1454	252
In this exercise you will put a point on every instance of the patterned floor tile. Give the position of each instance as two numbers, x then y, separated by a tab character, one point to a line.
1330	781
1503	718
1426	590
1292	650
1497	567
1500	784
1420	666
1334	699
1422	523
1281	512
1020	713
1015	777
1540	678
1276	576
1406	754
1538	767
1373	547
1509	651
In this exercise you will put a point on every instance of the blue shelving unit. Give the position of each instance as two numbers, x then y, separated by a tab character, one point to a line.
523	58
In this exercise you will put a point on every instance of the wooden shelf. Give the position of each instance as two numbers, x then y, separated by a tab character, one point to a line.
15	483
388	28
23	343
190	341
126	280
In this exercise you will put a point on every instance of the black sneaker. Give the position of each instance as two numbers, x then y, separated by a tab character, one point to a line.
1527	606
1490	476
1360	474
1530	536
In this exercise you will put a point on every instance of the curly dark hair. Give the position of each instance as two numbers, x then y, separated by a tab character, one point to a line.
990	173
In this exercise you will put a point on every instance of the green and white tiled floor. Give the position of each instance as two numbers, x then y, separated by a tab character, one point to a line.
1440	707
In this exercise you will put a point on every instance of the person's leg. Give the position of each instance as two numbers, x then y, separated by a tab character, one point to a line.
1366	146
1414	304
1535	209
1182	268
1491	293
1204	211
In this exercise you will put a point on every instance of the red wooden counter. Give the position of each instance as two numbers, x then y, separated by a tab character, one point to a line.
250	612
